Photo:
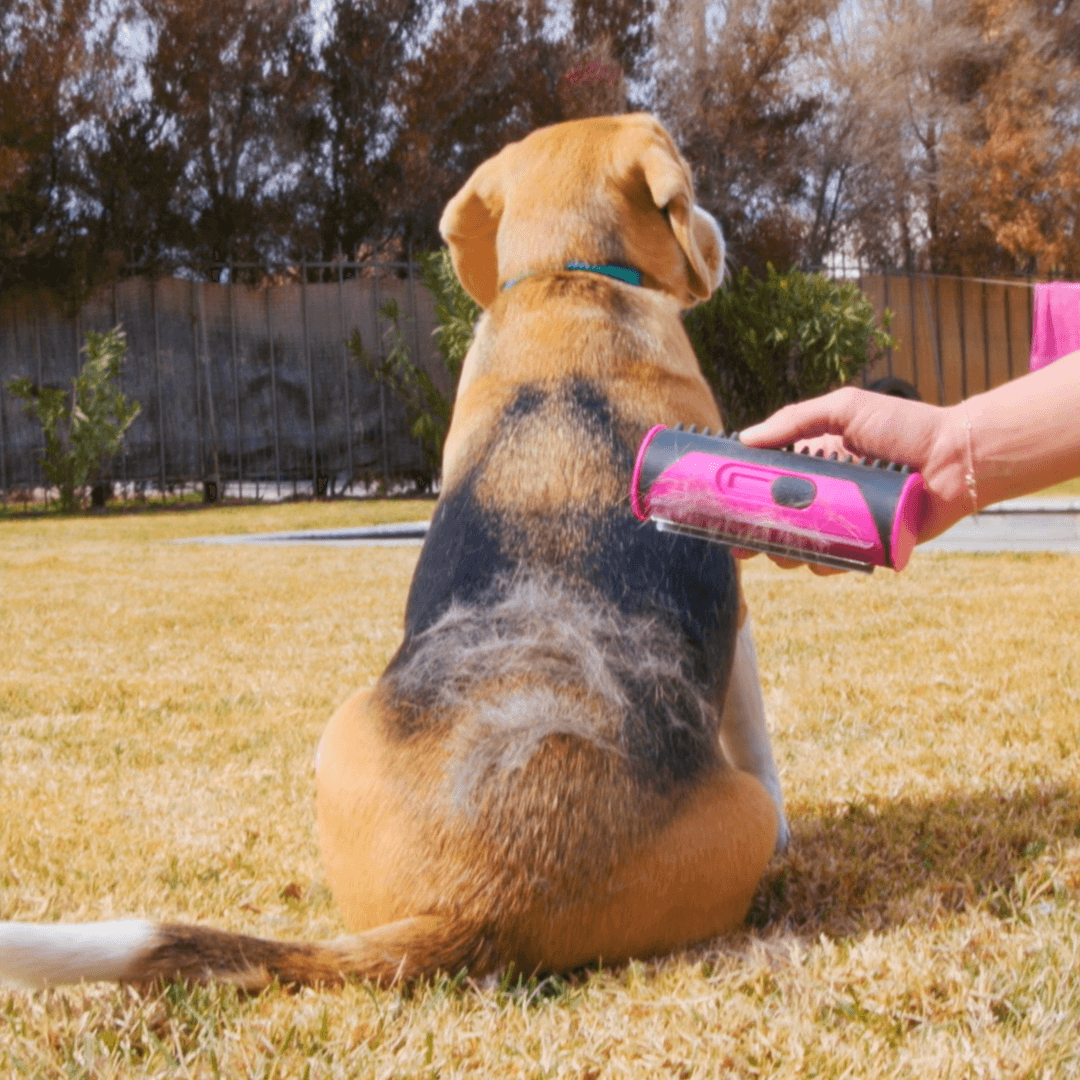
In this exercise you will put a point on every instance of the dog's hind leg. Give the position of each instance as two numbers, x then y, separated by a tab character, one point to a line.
691	881
743	733
365	833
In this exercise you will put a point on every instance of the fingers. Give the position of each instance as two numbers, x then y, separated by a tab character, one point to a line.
827	444
815	568
827	415
789	564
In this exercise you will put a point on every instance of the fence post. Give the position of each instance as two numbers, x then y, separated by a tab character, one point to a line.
415	309
1008	329
888	349
382	388
210	396
1030	314
963	337
200	440
345	364
3	452
938	370
236	386
914	339
273	394
310	380
986	338
41	382
416	327
120	384
157	380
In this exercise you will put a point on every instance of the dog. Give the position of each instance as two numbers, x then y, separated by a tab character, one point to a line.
566	761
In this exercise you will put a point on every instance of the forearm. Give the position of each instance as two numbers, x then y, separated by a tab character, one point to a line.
1025	434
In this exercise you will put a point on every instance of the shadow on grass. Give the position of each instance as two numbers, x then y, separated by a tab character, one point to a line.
880	863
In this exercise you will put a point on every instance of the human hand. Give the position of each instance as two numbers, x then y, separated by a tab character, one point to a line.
929	439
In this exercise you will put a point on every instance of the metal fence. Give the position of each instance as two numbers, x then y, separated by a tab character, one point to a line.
254	384
257	384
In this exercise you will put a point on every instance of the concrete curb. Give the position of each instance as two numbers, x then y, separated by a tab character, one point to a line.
1018	525
408	532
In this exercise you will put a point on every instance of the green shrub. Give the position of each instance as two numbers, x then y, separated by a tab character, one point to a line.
427	407
761	344
765	344
83	429
455	309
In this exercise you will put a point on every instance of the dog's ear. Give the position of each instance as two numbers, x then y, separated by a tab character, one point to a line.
469	225
710	241
696	231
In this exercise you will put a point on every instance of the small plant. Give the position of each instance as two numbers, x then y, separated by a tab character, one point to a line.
765	344
455	309
83	429
427	407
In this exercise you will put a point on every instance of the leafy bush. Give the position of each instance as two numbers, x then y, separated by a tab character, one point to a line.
455	309
427	407
85	428
761	344
765	344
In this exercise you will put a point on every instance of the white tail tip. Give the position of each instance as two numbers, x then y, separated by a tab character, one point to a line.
36	955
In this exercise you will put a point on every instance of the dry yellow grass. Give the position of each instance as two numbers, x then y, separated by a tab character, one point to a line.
1069	487
161	704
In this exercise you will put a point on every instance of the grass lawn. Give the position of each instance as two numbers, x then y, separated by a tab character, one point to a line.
1069	487
161	704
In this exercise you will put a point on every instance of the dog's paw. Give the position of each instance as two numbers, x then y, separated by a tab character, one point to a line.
783	835
771	782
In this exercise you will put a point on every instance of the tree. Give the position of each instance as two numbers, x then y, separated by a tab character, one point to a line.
765	344
134	179
232	89
1016	169
949	134
363	61
726	86
56	80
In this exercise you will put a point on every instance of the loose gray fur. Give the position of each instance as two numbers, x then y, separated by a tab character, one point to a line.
548	658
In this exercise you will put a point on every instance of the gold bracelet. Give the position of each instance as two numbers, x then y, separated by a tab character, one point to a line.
969	476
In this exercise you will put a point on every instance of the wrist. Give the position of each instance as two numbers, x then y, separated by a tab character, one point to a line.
950	472
970	482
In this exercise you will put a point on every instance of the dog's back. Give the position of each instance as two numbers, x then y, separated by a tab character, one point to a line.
567	662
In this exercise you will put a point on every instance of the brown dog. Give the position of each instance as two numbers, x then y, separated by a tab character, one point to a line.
566	760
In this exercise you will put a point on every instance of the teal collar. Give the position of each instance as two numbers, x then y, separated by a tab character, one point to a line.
622	273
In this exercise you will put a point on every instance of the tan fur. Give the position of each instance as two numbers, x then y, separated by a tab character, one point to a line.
491	800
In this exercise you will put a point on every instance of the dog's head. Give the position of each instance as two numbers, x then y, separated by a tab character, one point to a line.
610	189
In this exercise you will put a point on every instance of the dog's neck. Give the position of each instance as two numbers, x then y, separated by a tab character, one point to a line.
622	273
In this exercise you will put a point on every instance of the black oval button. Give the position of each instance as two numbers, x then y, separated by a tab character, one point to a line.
794	491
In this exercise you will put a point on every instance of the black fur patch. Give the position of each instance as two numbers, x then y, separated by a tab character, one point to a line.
590	405
665	586
528	400
591	289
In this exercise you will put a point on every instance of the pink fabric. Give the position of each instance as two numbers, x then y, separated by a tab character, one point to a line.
1055	327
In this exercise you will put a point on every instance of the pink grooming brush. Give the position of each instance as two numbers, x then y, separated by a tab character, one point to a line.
848	514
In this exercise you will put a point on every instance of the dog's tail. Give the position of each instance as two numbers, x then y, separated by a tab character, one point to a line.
136	951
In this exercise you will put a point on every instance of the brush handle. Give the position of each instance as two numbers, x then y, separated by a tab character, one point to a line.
848	513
